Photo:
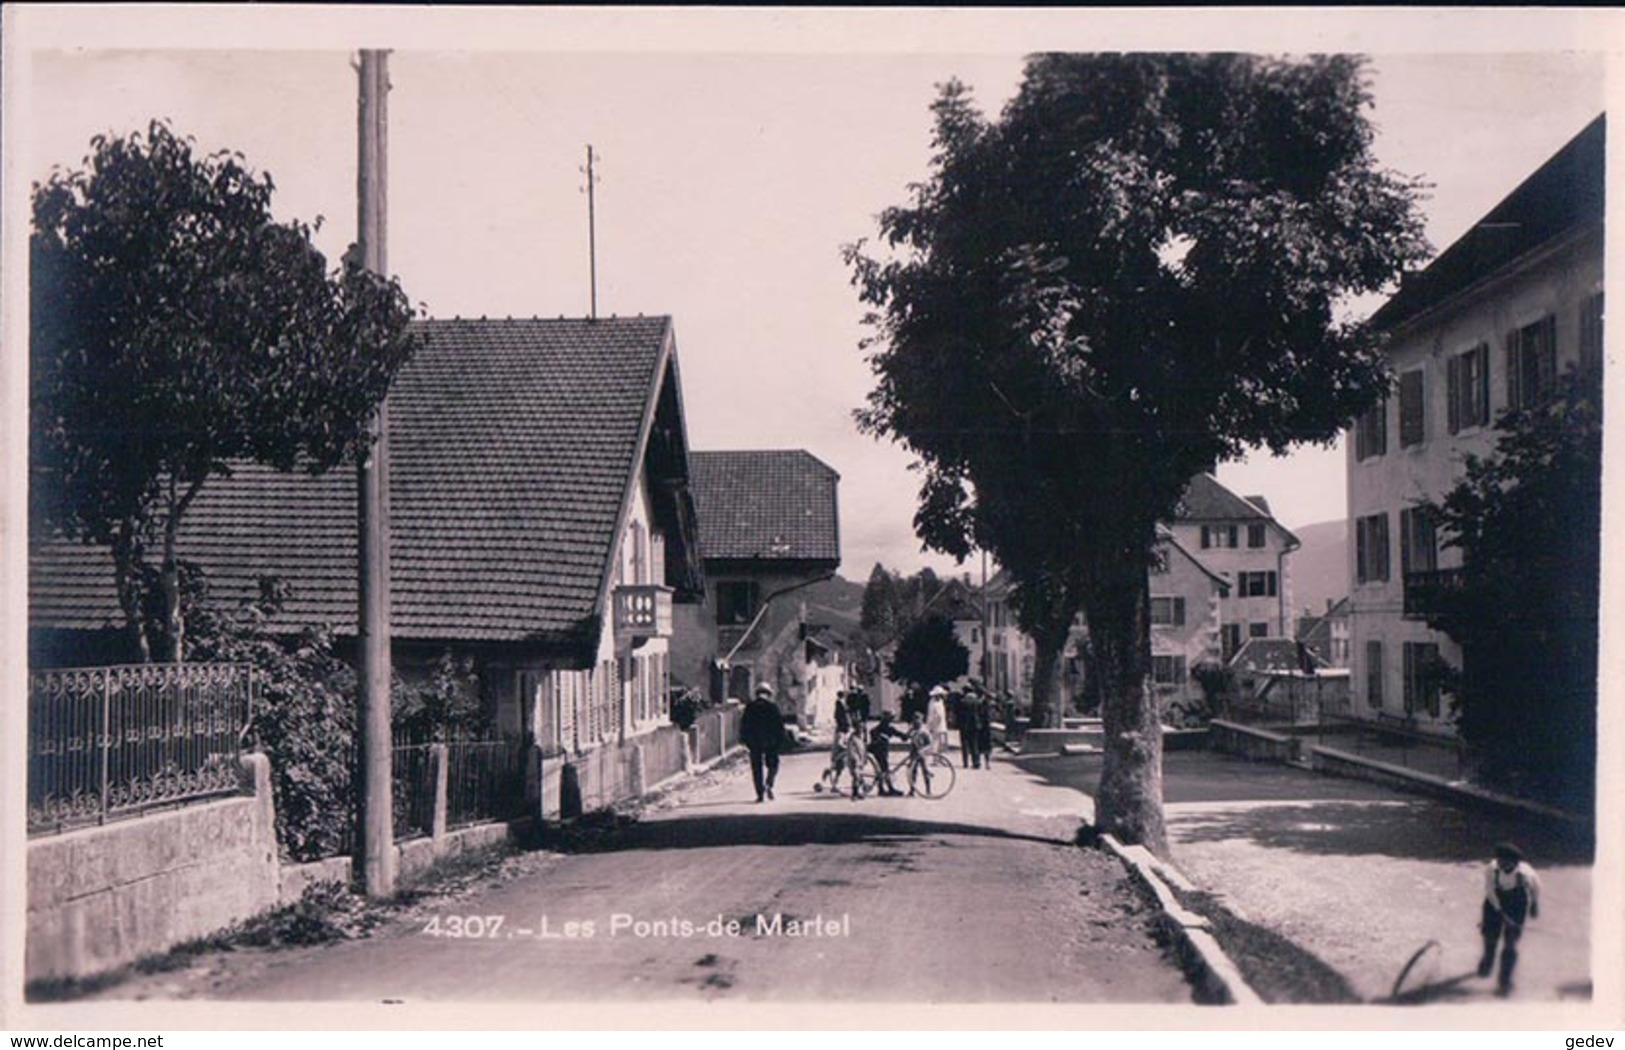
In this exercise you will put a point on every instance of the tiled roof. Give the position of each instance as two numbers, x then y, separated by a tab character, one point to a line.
1205	499
1565	193
1273	656
774	505
512	445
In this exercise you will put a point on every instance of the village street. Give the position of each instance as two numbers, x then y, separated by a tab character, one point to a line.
978	897
1361	875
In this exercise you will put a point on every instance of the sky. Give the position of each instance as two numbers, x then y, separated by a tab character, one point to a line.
731	171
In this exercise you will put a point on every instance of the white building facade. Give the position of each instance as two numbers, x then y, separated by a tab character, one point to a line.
1487	327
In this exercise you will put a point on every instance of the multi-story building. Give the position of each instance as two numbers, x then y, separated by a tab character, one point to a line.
1187	599
1487	327
1237	539
1219	577
769	526
1010	653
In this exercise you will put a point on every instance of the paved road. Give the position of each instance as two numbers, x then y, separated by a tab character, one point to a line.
978	897
1361	875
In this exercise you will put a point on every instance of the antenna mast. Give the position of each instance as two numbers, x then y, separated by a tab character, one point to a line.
592	233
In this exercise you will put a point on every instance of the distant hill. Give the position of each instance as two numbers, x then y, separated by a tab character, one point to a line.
1320	568
837	602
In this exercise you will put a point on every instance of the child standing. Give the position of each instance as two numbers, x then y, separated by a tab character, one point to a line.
1511	896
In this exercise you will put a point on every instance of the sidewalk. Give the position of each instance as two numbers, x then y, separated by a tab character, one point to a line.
1361	875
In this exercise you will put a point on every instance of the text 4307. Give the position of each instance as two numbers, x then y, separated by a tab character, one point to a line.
464	926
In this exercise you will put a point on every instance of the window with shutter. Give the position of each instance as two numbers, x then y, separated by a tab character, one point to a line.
1468	392
1591	334
1168	612
1418	541
1373	675
1412	414
1371	432
1371	548
1421	671
1531	363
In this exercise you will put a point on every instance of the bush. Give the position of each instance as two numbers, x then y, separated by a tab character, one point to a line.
304	717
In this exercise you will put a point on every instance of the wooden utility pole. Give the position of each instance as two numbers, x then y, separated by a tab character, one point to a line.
374	859
592	234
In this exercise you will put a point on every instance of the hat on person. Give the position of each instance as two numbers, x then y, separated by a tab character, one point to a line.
765	690
1508	850
939	690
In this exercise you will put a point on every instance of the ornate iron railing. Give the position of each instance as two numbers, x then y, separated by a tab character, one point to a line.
1424	591
105	742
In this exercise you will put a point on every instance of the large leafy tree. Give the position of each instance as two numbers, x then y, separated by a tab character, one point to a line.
177	327
929	653
1528	521
1128	277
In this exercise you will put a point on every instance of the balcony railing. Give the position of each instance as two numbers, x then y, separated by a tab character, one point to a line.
643	611
1424	591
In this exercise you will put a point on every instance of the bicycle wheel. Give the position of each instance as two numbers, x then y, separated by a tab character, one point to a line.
866	776
932	776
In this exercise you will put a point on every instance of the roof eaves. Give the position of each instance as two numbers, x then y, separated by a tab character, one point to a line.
1224	584
651	400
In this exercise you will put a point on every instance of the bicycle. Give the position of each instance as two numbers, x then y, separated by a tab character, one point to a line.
929	772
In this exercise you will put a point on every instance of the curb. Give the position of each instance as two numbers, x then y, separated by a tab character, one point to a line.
1439	787
1210	969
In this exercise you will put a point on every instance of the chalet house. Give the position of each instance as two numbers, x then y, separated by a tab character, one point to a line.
768	527
1486	327
541	524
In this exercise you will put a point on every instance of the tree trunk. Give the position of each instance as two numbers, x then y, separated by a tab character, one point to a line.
174	625
127	580
1129	801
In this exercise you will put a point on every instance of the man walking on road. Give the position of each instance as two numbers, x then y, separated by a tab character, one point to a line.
761	730
968	715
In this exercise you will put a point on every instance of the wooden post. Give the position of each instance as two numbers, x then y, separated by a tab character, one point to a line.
375	845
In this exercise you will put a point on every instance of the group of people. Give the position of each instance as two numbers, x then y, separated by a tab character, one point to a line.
971	711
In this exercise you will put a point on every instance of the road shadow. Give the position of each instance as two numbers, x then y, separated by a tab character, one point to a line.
762	828
1417	830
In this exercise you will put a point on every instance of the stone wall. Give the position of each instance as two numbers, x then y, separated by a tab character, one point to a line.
615	772
101	897
1248	742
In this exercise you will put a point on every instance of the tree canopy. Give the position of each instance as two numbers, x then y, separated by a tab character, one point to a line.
177	327
1528	521
929	654
1128	277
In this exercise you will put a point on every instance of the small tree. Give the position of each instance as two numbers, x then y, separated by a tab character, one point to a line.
1127	278
929	654
1528	522
176	327
880	606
